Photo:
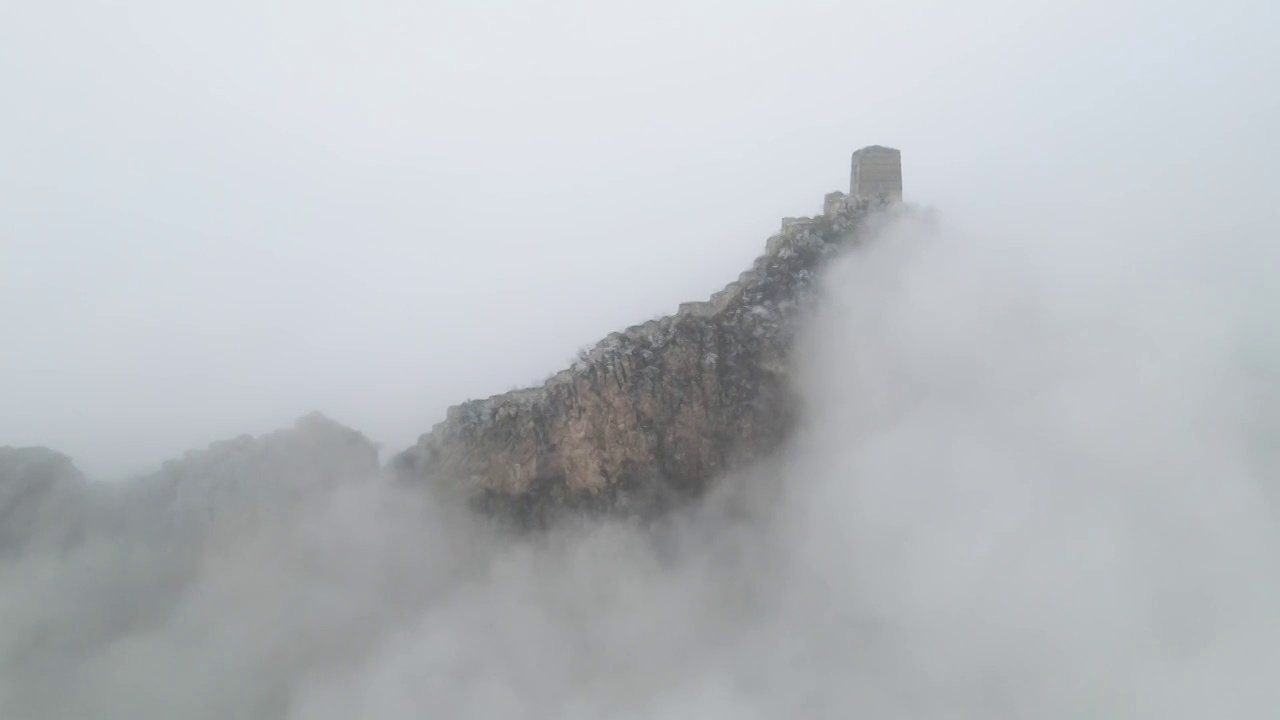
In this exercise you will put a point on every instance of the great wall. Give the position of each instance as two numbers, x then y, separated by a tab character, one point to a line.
651	414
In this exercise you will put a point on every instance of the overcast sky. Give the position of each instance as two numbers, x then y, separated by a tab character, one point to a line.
215	217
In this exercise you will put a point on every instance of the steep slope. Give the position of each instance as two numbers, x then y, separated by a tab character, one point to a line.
652	413
40	492
249	478
44	498
113	560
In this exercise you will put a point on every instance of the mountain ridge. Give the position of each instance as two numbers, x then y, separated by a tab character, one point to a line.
649	415
640	422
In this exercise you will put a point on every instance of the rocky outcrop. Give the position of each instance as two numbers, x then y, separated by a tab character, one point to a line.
103	564
230	484
649	415
251	478
40	490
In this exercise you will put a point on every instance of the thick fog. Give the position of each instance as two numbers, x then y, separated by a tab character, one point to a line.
1037	474
214	219
1025	487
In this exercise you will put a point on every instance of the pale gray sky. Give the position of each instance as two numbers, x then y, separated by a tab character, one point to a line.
217	217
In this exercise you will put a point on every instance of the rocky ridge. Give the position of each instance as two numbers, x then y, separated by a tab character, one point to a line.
37	487
89	567
44	499
641	421
650	414
248	476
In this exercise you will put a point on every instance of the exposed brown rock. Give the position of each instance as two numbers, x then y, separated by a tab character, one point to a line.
652	413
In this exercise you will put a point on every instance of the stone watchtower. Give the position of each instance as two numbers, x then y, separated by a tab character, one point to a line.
877	173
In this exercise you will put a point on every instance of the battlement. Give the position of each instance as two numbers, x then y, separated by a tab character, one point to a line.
658	410
875	168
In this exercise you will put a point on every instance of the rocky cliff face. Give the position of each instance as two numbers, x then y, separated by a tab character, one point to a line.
652	413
